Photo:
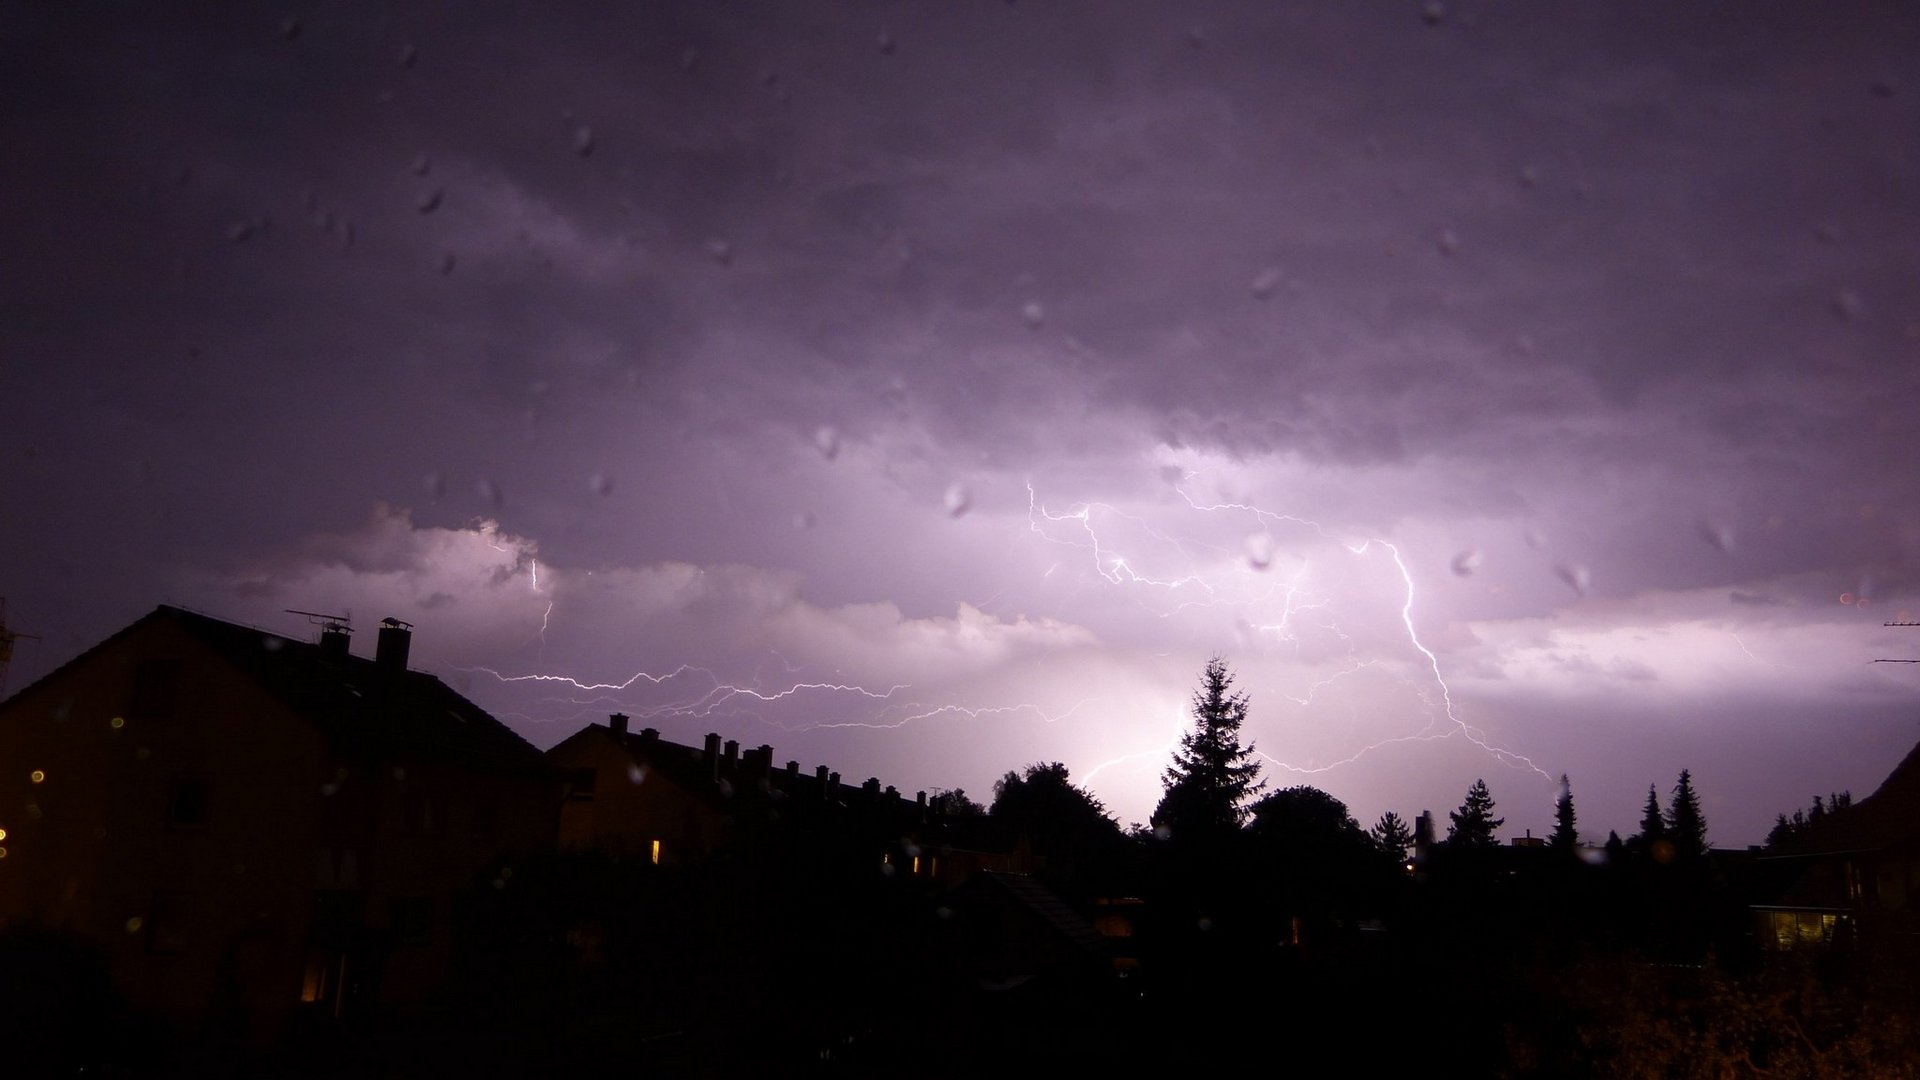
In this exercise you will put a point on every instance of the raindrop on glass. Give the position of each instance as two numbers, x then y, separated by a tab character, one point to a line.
803	520
689	58
1530	176
289	28
447	262
1465	563
886	43
583	140
488	490
409	55
1265	282
429	202
827	440
239	232
1885	88
1432	12
435	484
1847	304
600	484
1447	242
1259	548
1576	577
422	164
1034	313
1718	536
721	251
958	499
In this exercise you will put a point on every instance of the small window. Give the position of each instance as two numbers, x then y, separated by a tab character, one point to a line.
187	803
654	852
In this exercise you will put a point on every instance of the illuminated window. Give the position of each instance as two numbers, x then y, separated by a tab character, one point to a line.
654	852
916	864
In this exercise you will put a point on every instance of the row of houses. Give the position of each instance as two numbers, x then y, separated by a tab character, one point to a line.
250	826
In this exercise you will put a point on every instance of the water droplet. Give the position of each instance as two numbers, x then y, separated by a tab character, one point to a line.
422	164
1432	12
1447	242
435	484
37	776
886	43
1265	282
447	263
1847	598
488	490
409	55
289	28
1847	305
721	251
239	231
583	140
1204	923
1885	88
600	484
1465	563
827	440
636	774
958	499
1529	176
117	723
1034	313
1577	577
134	924
689	58
429	202
1259	550
1718	536
803	520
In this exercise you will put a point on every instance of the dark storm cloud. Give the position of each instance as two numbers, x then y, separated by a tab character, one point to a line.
397	305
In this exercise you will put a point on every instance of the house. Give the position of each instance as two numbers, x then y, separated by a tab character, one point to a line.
249	827
637	795
1856	874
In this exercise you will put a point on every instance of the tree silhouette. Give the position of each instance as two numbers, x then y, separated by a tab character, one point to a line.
1392	836
1057	817
1686	826
1565	837
1212	775
953	803
1653	825
1474	824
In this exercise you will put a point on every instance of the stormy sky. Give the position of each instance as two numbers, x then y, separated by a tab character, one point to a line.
928	389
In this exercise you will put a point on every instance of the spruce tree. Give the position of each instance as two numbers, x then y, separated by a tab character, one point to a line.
1686	825
1474	823
1565	837
1392	836
1653	825
1212	775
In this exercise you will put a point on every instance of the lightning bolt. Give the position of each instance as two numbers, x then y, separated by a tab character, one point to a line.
1079	526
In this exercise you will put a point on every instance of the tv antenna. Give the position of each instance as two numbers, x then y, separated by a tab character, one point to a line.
335	623
7	638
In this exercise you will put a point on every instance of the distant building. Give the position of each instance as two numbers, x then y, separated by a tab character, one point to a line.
1856	874
248	826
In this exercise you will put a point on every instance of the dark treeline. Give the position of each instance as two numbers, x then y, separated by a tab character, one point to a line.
1242	922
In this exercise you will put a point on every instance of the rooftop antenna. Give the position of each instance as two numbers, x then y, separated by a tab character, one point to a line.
1898	661
336	623
7	638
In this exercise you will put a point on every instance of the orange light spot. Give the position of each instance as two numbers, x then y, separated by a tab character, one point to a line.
37	776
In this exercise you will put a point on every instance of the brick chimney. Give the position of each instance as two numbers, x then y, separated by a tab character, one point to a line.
334	637
617	723
390	648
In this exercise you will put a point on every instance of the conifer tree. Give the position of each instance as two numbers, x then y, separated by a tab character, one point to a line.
1686	825
1565	837
1392	836
1474	824
1653	825
1212	775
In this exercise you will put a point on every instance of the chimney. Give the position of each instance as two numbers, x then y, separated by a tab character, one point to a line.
820	776
333	640
733	753
649	736
710	755
793	769
390	648
871	788
1423	829
763	760
617	723
893	793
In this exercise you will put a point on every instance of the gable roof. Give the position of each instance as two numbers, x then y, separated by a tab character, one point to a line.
364	708
1889	816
